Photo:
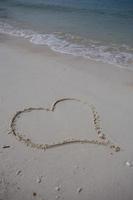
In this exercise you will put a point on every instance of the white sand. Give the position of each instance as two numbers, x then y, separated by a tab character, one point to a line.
32	76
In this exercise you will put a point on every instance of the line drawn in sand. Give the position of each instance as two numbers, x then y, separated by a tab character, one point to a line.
102	140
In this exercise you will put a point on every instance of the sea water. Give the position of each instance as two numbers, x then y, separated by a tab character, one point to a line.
100	30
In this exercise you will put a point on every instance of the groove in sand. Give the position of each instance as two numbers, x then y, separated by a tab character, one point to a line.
96	120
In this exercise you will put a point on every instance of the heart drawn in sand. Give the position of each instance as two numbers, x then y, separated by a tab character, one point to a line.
101	138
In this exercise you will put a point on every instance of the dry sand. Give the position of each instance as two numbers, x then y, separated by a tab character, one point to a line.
32	76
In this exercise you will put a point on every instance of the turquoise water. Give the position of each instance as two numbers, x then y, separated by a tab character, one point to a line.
95	29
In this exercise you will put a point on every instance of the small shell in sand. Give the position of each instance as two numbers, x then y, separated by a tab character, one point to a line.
18	172
58	188
58	197
39	180
34	194
79	190
5	146
129	164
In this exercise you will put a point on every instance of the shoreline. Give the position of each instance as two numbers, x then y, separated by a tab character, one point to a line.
33	76
120	55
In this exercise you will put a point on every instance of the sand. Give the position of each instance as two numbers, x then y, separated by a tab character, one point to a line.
33	76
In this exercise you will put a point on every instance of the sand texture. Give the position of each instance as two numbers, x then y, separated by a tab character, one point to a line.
65	126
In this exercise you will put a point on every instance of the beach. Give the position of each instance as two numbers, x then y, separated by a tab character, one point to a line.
34	76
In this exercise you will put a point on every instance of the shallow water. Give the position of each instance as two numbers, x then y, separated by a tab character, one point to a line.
98	30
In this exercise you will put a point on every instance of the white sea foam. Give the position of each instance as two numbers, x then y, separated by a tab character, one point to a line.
112	54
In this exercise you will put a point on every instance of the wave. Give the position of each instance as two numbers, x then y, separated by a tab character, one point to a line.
76	46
